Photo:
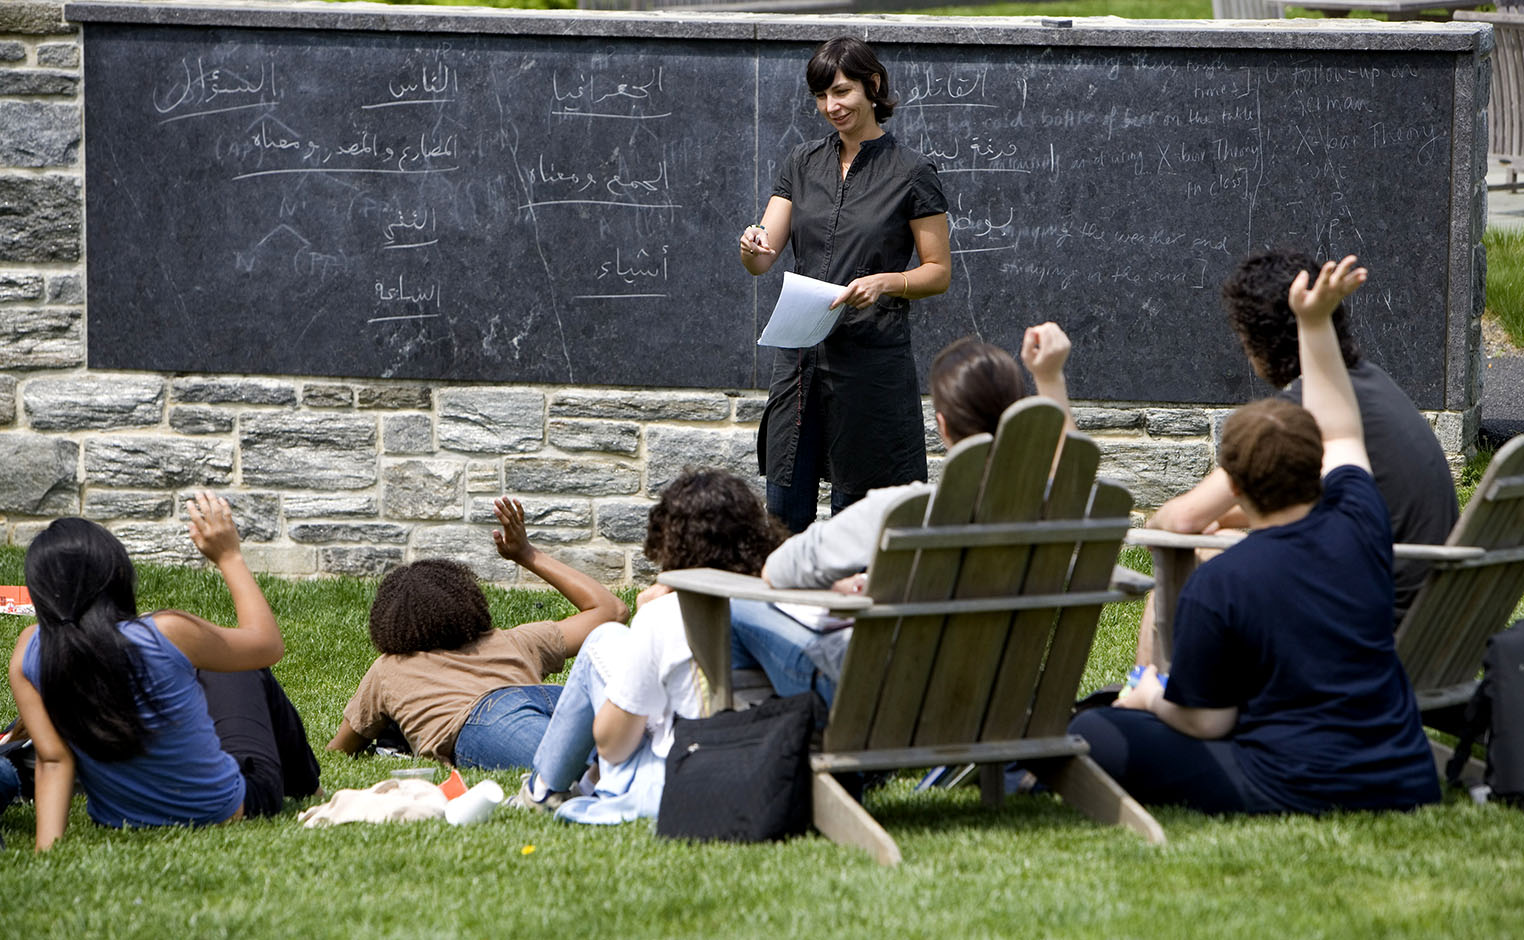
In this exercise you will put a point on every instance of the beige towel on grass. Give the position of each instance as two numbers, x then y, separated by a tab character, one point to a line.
387	801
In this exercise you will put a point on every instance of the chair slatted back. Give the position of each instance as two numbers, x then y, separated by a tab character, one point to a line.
1505	107
935	676
1443	636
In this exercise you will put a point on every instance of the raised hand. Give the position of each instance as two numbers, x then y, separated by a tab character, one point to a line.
211	527
1044	350
512	540
1335	282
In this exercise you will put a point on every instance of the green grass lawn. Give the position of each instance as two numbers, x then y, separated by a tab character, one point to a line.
1505	281
1032	868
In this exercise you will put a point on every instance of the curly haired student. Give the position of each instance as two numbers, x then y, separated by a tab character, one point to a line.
628	685
460	690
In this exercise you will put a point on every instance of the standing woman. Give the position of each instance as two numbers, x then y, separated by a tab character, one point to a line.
854	205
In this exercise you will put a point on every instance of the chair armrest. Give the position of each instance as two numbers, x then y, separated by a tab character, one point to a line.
1128	581
1159	538
714	583
1415	550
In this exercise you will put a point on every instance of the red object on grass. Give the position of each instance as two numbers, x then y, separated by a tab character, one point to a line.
453	786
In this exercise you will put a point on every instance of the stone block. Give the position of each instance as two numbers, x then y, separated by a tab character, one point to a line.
419	397
308	451
620	521
364	532
41	475
1449	427
467	544
7	399
12	51
344	506
17	286
289	560
605	565
929	431
1106	419
127	462
359	561
257	515
407	434
38	134
45	338
749	408
640	405
38	82
422	489
540	512
82	402
613	437
40	218
671	448
482	476
22	533
1177	422
642	570
491	420
211	391
34	18
118	504
324	395
585	476
1154	472
164	543
58	55
66	289
200	419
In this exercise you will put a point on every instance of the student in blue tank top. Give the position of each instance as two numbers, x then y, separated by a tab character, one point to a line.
165	718
1285	693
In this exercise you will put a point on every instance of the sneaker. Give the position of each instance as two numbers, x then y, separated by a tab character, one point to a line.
534	794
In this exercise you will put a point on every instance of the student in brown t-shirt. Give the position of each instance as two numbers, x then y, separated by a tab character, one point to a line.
462	691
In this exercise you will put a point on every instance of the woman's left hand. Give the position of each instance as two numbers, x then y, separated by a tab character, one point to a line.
865	291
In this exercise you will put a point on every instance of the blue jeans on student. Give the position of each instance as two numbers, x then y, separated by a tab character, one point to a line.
505	726
10	783
567	746
763	637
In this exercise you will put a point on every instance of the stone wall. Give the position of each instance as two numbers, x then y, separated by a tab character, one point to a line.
335	477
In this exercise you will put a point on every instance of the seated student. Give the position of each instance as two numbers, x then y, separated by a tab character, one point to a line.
1409	465
628	685
166	718
972	384
461	691
1285	693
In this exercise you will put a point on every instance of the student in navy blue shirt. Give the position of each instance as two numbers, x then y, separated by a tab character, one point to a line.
1286	694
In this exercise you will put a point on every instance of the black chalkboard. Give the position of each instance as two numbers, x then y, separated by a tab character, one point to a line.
564	209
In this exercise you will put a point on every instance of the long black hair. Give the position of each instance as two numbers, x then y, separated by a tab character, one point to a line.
82	584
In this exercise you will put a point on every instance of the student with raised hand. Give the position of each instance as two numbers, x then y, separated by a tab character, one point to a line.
1285	693
460	690
972	384
164	718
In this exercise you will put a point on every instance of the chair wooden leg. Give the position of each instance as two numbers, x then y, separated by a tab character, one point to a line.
992	784
1085	786
844	821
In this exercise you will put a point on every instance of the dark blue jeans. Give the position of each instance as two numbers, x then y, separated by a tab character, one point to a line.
796	504
505	726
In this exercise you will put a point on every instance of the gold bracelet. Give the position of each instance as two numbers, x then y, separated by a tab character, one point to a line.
907	284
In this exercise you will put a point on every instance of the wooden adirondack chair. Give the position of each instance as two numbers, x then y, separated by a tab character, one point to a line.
973	632
1470	592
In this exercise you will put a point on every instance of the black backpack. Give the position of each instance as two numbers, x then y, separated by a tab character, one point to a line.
1495	717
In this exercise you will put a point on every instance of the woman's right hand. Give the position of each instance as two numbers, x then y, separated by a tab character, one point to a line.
754	243
212	528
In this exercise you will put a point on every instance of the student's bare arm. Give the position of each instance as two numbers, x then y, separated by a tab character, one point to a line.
1326	389
617	732
347	739
1193	511
595	603
55	762
1205	723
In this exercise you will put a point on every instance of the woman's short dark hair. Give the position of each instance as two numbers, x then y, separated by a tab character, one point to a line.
1273	451
1255	297
710	518
432	604
89	675
854	59
972	384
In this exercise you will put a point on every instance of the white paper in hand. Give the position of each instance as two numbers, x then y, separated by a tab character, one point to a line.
803	315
